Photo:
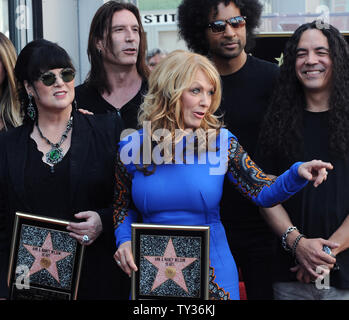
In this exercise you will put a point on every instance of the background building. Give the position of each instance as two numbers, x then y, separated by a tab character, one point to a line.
159	19
286	16
67	22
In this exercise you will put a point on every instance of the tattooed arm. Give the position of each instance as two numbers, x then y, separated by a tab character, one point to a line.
123	217
254	184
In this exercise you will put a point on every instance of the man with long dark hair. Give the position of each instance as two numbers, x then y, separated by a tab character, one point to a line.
116	50
224	31
309	117
117	80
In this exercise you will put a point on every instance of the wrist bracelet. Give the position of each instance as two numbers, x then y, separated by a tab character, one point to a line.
295	244
284	237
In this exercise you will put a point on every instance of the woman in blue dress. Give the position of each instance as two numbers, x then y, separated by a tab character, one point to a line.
172	170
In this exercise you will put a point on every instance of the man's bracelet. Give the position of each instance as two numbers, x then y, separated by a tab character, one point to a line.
284	237
295	244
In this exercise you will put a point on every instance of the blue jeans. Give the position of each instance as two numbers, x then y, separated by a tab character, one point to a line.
307	291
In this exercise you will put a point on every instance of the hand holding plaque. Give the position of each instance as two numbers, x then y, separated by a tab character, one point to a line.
124	258
92	227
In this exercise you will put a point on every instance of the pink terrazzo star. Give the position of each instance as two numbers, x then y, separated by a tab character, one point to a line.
46	257
170	267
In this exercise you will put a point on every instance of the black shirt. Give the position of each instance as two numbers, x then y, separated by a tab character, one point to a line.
316	212
88	98
53	188
245	99
9	126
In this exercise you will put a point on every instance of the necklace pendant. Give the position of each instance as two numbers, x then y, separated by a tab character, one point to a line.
54	156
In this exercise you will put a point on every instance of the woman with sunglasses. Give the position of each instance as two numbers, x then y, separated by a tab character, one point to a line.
60	164
9	105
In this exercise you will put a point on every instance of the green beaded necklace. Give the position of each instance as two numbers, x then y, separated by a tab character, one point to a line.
55	155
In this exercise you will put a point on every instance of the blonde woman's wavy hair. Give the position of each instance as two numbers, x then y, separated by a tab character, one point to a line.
162	105
174	74
9	104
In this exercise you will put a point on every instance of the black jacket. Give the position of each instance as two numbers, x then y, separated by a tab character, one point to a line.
92	163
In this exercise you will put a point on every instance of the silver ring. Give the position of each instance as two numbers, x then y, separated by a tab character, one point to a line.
118	262
85	238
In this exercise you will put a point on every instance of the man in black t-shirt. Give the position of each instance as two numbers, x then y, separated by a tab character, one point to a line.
223	31
308	119
117	80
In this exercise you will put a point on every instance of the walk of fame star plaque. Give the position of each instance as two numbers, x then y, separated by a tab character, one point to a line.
172	261
45	262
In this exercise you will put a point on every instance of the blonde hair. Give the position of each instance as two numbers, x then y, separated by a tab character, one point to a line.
162	105
174	74
9	105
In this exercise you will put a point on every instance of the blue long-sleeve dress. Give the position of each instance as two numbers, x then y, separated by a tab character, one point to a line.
189	193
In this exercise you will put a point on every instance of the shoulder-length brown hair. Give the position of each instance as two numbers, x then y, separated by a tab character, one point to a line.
101	29
9	105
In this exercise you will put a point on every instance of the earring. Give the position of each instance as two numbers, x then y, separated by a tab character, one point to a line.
31	112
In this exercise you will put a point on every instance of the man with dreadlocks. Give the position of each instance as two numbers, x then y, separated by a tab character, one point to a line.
224	30
309	118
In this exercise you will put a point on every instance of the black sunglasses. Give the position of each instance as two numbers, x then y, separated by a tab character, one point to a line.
220	25
49	78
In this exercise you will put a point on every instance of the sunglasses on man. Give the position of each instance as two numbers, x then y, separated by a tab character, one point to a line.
220	25
49	78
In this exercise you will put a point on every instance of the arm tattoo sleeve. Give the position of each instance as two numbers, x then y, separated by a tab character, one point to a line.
122	194
248	178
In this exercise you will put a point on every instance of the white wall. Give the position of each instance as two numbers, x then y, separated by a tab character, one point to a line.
67	22
60	25
161	29
164	37
86	11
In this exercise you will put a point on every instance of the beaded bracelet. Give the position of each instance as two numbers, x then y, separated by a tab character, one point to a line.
284	237
295	244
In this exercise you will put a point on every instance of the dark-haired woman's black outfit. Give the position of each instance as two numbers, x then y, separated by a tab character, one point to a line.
82	181
8	125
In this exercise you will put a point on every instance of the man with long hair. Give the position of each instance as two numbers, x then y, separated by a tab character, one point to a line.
224	31
117	80
309	117
116	50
